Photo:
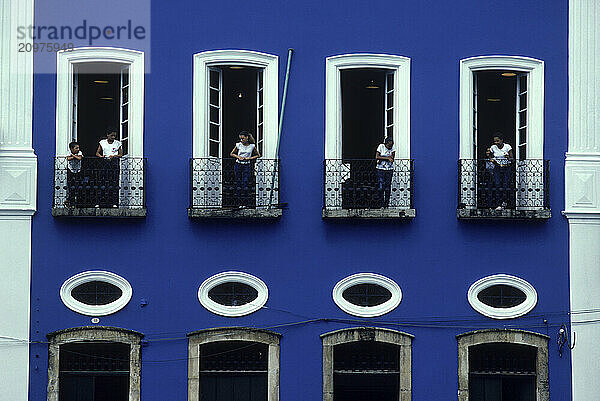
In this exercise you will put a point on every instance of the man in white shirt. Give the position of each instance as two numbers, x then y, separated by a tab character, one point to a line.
503	158
110	149
385	170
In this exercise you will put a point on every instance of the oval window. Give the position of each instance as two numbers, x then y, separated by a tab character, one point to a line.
96	293
502	296
367	294
233	294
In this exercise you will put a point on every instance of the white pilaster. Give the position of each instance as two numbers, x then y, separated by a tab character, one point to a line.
18	174
582	195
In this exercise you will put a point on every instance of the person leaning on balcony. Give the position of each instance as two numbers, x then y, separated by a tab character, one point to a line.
503	158
244	151
73	174
385	169
110	150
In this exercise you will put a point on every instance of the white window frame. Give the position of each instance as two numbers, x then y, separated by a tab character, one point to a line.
333	98
534	68
95	310
236	277
502	313
66	63
270	65
367	278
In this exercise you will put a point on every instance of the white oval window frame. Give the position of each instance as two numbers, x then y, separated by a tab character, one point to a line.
95	310
237	277
502	313
367	311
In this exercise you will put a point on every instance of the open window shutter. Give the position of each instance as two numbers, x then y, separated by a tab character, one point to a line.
266	173
208	178
529	173
124	110
389	105
259	111
75	108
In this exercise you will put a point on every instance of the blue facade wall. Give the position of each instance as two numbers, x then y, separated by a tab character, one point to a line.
434	258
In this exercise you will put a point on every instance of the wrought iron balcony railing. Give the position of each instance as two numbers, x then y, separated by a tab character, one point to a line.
517	190
224	188
357	185
82	188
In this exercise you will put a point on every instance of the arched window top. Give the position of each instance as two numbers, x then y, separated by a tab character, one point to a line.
366	334
104	333
503	335
501	62
235	334
246	57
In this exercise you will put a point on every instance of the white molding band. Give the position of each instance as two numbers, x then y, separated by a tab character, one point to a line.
66	60
502	313
333	98
95	310
582	195
535	100
367	278
236	277
270	65
18	182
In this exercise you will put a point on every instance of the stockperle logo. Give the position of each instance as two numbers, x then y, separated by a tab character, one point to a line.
85	31
67	25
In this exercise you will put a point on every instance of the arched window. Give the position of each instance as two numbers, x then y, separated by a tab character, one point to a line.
366	363
90	362
500	364
224	362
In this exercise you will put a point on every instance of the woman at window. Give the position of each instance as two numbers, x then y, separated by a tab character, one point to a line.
110	151
503	157
244	152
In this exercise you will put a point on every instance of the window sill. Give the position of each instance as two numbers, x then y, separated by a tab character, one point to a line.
388	213
504	214
259	213
120	212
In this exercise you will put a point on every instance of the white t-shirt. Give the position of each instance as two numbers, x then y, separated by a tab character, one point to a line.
244	151
385	152
109	149
75	164
501	155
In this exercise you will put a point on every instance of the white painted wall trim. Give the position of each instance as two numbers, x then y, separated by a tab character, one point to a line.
18	183
95	310
502	313
535	100
270	65
582	194
367	278
66	60
333	98
235	277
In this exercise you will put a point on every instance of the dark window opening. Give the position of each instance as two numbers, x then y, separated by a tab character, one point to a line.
233	371
496	108
367	118
96	371
367	295
502	296
233	294
236	104
502	372
96	103
366	370
96	293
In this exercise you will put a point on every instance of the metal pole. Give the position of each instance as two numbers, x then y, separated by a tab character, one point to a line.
285	87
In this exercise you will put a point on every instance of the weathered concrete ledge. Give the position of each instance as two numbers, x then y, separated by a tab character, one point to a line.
387	213
504	214
121	212
259	213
